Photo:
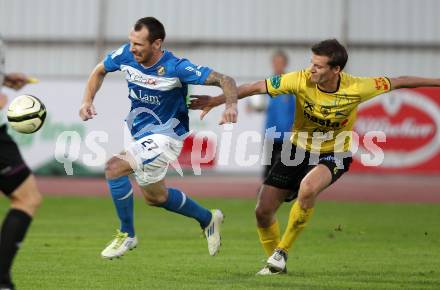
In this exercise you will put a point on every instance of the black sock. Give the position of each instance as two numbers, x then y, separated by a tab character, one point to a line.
13	230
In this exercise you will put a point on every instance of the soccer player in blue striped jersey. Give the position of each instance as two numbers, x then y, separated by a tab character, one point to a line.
158	121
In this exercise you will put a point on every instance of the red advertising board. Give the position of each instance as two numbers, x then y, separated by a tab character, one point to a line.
410	120
203	156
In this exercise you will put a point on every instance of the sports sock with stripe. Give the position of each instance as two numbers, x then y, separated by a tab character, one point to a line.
122	194
179	203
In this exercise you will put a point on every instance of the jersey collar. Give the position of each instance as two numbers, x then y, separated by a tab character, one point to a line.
158	61
337	87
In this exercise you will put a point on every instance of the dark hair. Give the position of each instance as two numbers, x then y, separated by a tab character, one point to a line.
281	53
332	49
154	26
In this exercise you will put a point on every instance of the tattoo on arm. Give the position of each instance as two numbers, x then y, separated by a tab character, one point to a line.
226	83
214	79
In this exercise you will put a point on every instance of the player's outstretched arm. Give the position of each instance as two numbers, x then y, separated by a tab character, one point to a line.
87	110
206	103
413	82
229	92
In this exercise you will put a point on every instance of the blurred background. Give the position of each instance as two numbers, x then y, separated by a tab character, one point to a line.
60	41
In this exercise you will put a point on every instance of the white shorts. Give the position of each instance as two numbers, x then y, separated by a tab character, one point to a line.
153	154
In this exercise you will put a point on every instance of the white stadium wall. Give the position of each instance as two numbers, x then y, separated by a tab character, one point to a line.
65	38
403	21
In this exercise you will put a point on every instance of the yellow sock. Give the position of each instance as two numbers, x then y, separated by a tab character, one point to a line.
298	218
269	237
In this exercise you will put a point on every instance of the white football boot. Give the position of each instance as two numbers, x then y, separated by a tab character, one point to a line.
277	261
212	232
270	271
119	245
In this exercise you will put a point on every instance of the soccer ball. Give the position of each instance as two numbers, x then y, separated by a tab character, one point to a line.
26	114
258	102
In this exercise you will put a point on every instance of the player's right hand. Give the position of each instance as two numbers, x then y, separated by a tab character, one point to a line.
201	102
229	115
87	111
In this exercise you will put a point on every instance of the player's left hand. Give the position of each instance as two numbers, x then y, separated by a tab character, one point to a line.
229	115
17	81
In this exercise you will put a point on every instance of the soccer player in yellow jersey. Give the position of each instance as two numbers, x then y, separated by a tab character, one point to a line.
326	105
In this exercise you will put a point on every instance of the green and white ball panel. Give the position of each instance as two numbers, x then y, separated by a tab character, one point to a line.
26	114
23	105
27	126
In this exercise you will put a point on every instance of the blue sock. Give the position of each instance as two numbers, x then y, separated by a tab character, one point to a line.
179	203
122	194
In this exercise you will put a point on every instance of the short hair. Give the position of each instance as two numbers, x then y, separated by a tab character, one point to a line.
335	51
156	30
281	53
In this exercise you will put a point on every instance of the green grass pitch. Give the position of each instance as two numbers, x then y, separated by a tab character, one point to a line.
345	246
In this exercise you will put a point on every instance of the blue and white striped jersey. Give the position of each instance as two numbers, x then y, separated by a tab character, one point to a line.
157	93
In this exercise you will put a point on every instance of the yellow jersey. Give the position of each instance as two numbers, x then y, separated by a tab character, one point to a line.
324	120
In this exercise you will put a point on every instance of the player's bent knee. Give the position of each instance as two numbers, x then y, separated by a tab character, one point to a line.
117	167
307	193
112	169
33	200
307	188
263	215
27	197
109	169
